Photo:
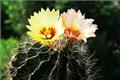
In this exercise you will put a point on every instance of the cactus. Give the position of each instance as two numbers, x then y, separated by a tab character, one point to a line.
34	61
57	49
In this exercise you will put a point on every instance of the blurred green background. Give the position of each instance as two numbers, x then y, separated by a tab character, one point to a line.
14	15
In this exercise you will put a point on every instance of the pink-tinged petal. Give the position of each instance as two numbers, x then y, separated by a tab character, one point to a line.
74	23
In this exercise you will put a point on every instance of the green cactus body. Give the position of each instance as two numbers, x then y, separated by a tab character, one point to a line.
34	61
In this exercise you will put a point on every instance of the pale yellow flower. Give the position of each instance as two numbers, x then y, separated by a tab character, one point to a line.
76	26
45	27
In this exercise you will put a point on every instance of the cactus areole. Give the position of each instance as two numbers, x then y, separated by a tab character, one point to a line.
55	48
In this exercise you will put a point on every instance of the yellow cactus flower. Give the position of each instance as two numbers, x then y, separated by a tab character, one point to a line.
45	27
76	26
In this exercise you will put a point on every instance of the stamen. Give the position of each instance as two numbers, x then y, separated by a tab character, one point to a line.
48	33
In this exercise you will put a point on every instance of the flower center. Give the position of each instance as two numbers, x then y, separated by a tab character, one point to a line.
72	32
48	33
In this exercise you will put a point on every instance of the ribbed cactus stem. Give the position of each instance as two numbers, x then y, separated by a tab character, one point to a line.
55	66
34	61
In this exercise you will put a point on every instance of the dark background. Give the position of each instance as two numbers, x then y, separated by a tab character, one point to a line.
14	15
